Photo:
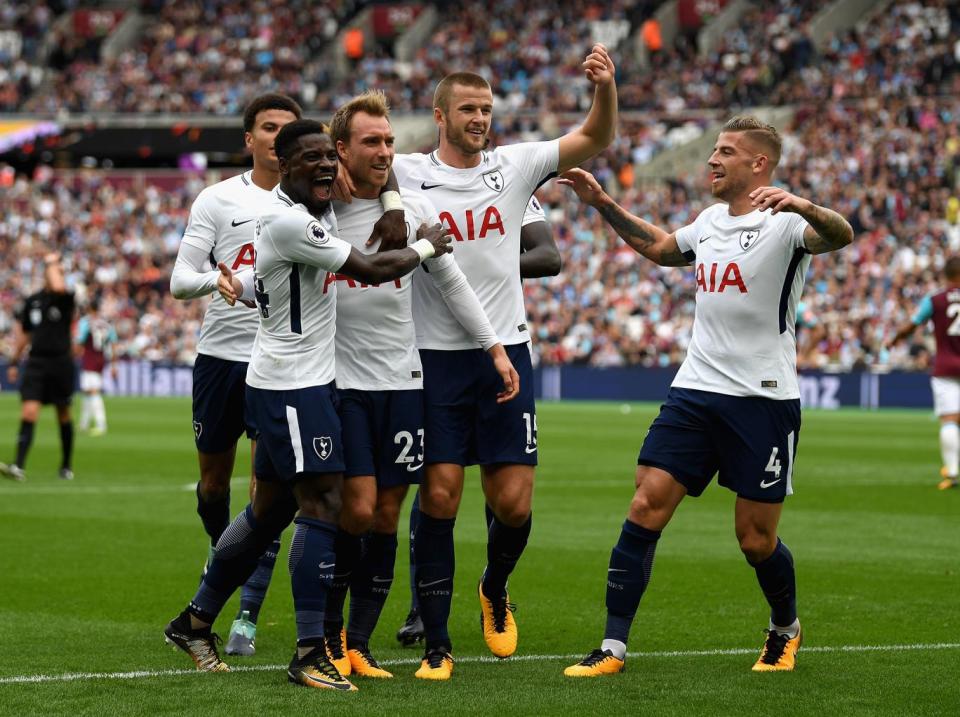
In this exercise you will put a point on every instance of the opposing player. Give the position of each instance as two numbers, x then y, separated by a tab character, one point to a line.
49	376
941	309
299	459
380	382
734	405
95	340
220	229
481	196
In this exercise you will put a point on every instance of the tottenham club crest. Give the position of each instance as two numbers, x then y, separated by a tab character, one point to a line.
323	447
748	237
494	180
316	235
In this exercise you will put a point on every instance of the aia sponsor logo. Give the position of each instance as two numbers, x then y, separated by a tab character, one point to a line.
352	283
491	223
712	278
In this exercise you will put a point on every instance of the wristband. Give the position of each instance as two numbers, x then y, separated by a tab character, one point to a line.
424	248
390	201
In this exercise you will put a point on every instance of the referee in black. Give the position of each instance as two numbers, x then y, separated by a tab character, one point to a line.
50	374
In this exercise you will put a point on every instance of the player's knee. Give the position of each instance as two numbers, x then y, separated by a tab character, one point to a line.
512	513
321	503
356	517
440	501
30	412
214	489
645	508
757	546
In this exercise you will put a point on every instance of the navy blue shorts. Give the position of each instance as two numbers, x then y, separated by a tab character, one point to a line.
220	413
750	441
465	424
383	435
300	432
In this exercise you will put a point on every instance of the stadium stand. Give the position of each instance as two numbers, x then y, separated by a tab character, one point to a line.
874	134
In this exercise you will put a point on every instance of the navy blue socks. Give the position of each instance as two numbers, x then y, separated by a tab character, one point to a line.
312	560
631	563
779	585
435	567
504	547
370	586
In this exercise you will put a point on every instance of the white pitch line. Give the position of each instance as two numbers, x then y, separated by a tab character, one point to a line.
137	674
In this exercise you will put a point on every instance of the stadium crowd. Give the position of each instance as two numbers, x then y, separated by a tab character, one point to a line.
875	136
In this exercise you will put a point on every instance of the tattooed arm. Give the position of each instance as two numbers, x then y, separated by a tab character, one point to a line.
828	231
656	244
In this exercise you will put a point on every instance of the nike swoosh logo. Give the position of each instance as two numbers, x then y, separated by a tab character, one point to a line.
411	469
422	584
382	580
530	450
236	223
704	239
424	185
616	570
324	566
764	484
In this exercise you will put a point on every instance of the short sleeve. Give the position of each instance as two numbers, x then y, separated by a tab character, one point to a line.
794	229
924	312
687	240
534	212
201	230
535	161
301	238
418	210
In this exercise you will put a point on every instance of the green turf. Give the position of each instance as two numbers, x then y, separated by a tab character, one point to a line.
92	570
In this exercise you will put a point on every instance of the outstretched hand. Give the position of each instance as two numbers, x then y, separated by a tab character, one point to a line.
777	199
585	185
229	286
598	67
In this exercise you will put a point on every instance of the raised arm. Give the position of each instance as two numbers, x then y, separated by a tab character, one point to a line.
656	244
600	127
828	231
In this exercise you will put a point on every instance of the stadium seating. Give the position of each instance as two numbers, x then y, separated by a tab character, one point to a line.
874	135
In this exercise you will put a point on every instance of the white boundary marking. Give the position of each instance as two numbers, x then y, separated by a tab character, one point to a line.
137	674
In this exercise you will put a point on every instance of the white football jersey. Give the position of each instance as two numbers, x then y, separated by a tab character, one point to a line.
222	222
749	272
483	208
294	346
376	347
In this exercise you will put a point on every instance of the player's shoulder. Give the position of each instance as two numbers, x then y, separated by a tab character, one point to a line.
518	150
228	187
418	204
410	160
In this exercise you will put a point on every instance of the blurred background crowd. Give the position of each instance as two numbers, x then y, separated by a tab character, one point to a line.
873	133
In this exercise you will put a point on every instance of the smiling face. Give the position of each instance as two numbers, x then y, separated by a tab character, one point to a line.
737	166
307	176
465	123
259	140
368	153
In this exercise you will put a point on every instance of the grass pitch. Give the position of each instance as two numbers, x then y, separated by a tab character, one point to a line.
91	571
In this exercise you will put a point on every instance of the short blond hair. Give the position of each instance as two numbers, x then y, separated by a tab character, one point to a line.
764	134
441	96
371	102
